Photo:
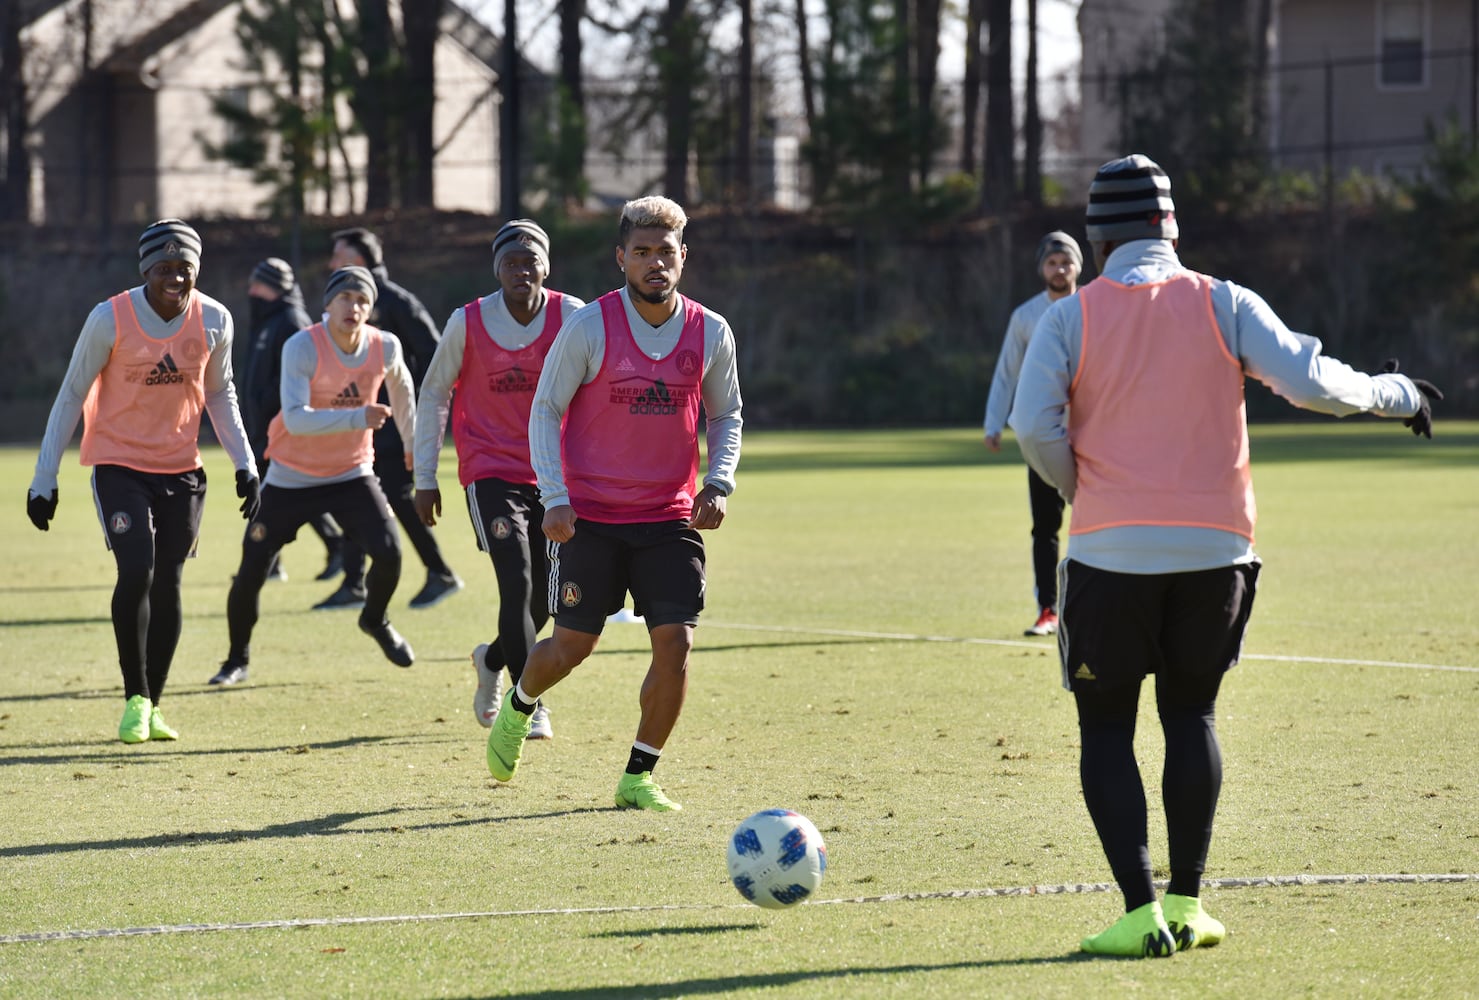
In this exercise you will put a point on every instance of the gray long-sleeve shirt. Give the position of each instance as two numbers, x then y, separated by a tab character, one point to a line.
1009	361
1291	364
435	400
299	360
94	348
575	360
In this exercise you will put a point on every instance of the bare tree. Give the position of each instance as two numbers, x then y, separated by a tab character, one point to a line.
569	171
509	118
678	70
926	67
744	146
372	99
1032	117
975	21
15	186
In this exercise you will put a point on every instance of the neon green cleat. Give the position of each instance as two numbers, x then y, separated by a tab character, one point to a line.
639	791
1190	925
159	729
134	726
1141	933
506	739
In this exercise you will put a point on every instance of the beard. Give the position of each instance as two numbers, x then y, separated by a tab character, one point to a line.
653	298
1058	284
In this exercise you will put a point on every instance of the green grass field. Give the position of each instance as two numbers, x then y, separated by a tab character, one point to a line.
861	660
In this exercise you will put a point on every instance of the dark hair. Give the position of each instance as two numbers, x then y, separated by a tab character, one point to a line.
364	242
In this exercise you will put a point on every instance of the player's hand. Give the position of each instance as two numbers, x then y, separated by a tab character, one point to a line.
708	509
428	506
250	491
375	415
993	441
1421	422
559	523
41	509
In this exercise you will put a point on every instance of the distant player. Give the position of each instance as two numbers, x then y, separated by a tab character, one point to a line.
1150	359
1059	261
147	363
491	353
323	462
613	435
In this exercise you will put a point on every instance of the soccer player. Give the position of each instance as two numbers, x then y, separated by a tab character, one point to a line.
147	363
613	435
401	315
276	310
322	461
1059	261
1160	571
491	354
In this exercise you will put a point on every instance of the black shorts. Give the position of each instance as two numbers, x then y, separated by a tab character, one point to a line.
157	513
505	513
1186	628
661	564
358	505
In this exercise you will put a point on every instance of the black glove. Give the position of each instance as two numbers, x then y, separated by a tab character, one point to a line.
250	492
1421	422
41	509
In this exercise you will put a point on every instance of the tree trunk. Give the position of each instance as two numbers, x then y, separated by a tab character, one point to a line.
895	158
15	188
971	99
926	63
570	160
373	102
1032	118
511	188
1000	135
744	145
817	138
421	20
676	69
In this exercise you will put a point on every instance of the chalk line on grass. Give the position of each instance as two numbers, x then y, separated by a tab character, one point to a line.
1026	644
1069	888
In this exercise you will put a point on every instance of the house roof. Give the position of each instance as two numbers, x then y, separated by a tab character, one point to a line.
183	21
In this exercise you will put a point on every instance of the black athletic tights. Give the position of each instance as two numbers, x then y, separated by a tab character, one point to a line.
1115	796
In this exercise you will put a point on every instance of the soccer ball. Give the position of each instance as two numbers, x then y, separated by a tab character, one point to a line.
776	858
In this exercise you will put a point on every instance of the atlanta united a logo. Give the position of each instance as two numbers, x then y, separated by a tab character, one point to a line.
569	594
119	522
502	528
257	531
688	362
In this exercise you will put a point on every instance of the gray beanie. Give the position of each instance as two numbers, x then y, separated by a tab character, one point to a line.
521	234
1059	242
350	279
1130	199
274	272
168	239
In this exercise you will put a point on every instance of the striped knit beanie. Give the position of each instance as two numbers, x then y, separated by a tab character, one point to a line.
350	279
168	239
521	234
1060	242
274	272
1130	199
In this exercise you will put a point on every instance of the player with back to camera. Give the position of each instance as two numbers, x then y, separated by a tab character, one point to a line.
491	353
613	436
322	461
277	312
1160	571
1059	261
147	363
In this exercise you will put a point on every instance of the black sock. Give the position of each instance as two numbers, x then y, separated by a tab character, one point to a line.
519	704
641	760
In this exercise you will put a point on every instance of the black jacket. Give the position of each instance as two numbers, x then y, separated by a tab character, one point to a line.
399	312
272	323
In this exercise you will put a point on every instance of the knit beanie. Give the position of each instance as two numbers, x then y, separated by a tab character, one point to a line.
274	272
521	234
1130	199
365	243
350	279
1060	242
168	239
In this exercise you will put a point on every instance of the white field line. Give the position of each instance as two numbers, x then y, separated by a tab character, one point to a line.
1024	644
1071	888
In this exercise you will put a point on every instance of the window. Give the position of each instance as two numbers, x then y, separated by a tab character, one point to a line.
1400	35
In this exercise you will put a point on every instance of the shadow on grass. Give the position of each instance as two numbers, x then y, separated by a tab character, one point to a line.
175	691
159	752
735	984
344	824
